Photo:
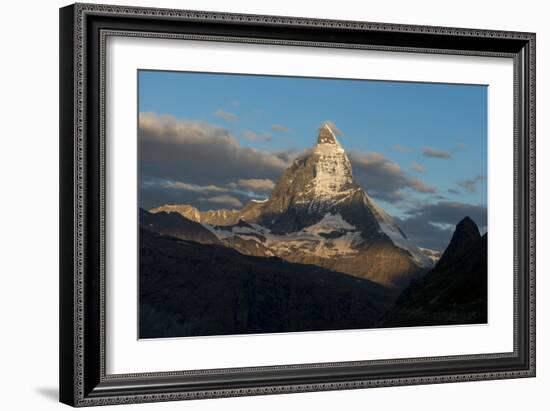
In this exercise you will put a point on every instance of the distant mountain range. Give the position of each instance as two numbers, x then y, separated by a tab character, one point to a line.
318	254
317	214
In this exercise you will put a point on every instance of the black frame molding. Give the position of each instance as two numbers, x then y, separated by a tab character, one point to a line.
83	31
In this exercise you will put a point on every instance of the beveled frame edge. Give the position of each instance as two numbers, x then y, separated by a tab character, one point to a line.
75	362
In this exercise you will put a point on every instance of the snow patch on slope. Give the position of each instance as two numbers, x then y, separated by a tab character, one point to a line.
310	240
329	223
388	227
397	238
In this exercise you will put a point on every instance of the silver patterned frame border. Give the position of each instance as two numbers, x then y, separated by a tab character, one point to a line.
80	13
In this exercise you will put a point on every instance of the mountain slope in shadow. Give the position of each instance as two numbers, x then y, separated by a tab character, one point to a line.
175	225
454	291
192	289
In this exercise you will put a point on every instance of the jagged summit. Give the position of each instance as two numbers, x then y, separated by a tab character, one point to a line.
327	136
332	173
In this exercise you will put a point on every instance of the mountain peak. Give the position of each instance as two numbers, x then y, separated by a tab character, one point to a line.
318	214
469	226
326	135
465	235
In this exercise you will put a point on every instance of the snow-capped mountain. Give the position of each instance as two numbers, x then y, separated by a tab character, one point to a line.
317	214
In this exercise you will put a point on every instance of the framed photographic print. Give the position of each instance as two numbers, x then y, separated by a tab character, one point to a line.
261	204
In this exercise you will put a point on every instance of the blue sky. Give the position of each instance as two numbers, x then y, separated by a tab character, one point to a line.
436	133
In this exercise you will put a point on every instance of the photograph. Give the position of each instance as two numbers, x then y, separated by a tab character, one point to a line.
277	204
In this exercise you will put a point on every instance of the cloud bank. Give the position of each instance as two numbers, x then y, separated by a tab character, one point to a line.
253	136
432	225
383	178
257	184
225	200
189	155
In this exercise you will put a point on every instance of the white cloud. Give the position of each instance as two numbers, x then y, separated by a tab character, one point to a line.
172	148
194	187
257	184
224	199
383	178
435	153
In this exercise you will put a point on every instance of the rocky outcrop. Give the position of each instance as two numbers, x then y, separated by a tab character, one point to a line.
454	291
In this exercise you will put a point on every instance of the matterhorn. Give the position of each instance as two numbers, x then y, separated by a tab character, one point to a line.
318	214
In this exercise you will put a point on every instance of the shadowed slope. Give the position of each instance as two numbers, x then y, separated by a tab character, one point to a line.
454	292
191	289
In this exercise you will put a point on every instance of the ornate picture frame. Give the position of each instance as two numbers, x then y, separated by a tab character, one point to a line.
84	30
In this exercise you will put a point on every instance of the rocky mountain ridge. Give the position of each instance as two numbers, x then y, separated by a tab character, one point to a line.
454	291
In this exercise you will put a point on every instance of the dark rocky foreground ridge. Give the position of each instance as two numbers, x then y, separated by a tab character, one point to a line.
454	291
192	289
